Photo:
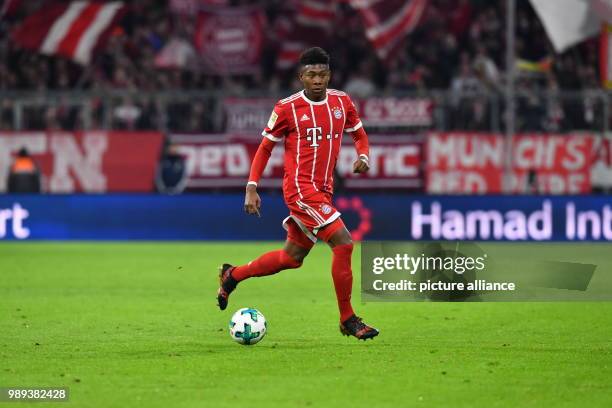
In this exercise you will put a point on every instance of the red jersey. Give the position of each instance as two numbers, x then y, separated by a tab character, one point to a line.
312	133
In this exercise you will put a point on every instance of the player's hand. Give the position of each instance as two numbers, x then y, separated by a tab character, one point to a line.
252	202
360	166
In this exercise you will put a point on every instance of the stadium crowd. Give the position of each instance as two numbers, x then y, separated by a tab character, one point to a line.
459	46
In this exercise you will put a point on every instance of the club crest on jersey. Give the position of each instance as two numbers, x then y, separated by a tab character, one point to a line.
325	209
337	112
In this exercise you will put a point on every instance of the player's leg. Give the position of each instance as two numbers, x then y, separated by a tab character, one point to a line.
296	248
339	239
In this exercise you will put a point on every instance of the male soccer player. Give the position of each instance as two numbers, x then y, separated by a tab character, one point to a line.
311	124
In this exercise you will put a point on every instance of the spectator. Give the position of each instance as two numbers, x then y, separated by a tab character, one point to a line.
24	176
485	69
171	175
360	83
554	107
530	110
466	81
126	114
468	109
6	114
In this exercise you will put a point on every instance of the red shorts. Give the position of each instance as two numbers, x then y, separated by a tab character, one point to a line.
312	214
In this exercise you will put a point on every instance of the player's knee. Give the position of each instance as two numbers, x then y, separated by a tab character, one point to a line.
335	233
293	259
346	240
341	237
297	251
345	249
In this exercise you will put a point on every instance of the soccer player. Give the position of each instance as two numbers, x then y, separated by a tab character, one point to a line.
310	123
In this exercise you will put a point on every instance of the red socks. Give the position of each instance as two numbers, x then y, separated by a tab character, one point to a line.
267	264
276	261
343	279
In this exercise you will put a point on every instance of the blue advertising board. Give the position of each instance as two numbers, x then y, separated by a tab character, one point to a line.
369	216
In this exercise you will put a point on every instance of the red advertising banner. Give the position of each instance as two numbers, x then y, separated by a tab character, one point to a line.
230	39
249	115
541	163
91	162
225	161
99	161
395	112
463	163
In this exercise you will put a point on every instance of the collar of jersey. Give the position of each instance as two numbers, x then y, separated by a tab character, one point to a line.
323	102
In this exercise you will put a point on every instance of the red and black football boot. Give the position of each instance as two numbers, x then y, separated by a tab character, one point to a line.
227	285
353	326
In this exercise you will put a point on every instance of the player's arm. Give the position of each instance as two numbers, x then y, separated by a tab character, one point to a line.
272	134
252	201
360	138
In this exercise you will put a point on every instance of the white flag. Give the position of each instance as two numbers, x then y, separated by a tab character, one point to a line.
568	22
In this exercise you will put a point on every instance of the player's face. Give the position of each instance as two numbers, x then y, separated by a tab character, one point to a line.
315	79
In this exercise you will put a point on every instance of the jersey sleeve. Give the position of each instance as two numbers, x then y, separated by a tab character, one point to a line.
264	151
278	125
353	122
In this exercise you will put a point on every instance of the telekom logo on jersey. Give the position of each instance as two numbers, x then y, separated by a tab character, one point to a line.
315	134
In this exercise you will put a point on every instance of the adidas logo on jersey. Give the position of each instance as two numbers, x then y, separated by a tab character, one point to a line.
305	117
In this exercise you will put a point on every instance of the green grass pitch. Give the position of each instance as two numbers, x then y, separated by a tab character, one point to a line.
136	325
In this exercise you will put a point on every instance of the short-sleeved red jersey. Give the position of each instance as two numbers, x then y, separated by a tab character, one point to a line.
312	133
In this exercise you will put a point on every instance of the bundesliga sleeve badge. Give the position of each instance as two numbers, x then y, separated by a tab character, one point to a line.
272	120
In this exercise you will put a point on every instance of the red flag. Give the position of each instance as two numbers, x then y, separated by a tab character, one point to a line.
310	25
230	39
73	30
387	22
316	13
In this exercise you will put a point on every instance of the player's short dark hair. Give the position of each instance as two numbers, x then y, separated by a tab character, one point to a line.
314	55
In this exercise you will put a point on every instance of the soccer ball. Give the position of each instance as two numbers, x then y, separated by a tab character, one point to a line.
248	326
